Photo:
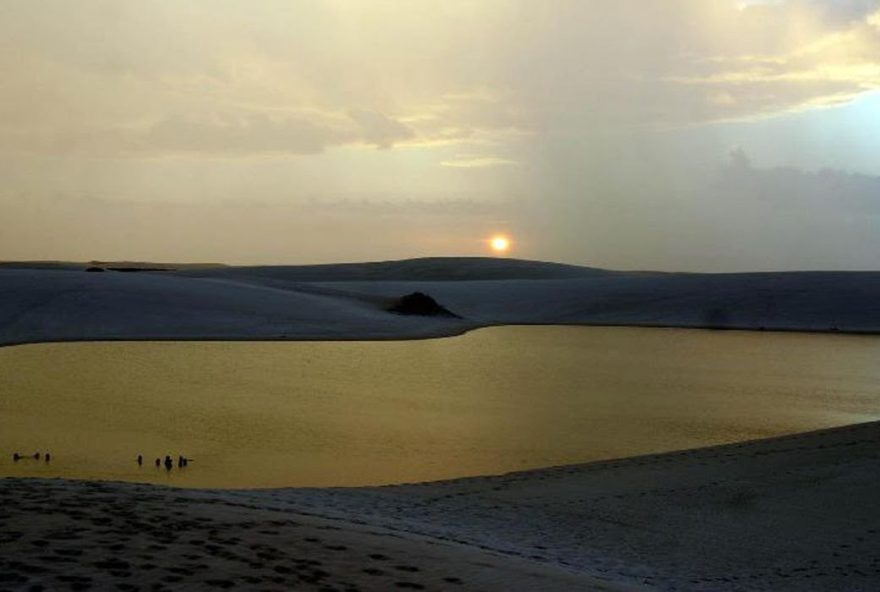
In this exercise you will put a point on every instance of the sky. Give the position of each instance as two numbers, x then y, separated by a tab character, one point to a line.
696	135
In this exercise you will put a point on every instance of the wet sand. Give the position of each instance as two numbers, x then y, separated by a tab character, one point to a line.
792	513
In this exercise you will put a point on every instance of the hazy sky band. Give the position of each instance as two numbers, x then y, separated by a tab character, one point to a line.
676	134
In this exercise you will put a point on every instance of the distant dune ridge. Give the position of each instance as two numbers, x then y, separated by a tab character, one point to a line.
58	301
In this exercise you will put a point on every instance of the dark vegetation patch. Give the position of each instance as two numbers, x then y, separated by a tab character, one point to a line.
419	303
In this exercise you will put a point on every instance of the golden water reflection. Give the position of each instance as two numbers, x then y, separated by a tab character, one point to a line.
352	413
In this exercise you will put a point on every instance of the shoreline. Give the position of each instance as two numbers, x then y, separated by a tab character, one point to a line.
793	512
439	334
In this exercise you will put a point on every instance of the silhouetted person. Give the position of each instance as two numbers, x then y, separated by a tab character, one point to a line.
168	463
158	462
140	460
36	456
48	457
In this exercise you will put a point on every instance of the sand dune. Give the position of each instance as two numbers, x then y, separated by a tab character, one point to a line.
52	305
791	513
350	301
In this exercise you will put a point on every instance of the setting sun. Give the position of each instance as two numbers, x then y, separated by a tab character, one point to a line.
500	244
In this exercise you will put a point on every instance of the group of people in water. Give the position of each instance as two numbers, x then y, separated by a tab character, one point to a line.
182	462
17	456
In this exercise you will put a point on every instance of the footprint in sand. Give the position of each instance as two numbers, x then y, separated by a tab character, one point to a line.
68	552
12	578
112	564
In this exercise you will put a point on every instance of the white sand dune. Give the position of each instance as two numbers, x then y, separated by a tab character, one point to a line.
349	301
792	513
53	305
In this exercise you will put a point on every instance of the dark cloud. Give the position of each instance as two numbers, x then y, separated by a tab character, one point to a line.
253	134
380	130
843	12
827	193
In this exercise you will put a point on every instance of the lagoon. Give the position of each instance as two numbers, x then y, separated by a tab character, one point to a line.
272	414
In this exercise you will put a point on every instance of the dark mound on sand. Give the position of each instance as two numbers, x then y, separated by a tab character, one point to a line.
419	303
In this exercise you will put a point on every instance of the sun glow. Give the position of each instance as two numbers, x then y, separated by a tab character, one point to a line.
500	244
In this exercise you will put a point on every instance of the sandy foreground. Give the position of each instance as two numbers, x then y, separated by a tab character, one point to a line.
798	512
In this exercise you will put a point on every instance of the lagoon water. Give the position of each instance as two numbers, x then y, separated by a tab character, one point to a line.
266	414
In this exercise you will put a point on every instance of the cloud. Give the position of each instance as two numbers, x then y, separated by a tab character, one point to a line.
824	60
824	194
843	12
420	75
245	135
741	217
470	161
251	135
687	62
380	130
739	159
